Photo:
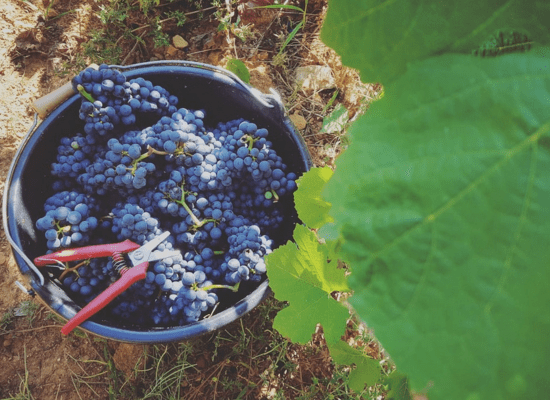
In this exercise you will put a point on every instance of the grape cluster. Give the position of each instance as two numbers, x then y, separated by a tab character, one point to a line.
130	221
109	100
73	156
218	190
244	260
119	167
69	219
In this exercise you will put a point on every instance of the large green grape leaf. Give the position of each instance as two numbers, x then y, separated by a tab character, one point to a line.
304	275
380	37
443	203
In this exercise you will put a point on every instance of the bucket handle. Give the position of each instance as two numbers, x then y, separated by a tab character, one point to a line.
267	100
49	102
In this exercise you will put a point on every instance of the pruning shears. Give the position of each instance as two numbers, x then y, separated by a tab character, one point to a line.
139	257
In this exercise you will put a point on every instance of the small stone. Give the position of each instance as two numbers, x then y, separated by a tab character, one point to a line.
127	356
214	58
171	51
212	41
260	78
179	42
7	343
52	13
314	78
201	362
298	120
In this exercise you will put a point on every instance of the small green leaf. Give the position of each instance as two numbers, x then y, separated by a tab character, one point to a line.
239	69
303	275
331	101
291	36
336	121
311	207
367	370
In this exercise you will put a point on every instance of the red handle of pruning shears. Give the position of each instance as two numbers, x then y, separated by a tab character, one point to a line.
128	278
138	255
83	253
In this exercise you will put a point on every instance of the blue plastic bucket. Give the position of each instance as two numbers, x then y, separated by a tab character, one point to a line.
198	86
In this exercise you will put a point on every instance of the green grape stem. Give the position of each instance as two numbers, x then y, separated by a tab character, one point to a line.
180	150
85	94
152	150
142	157
73	269
250	140
61	229
197	222
219	286
135	163
204	221
182	203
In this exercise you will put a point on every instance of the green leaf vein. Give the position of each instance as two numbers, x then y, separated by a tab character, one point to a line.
483	26
366	13
467	92
521	222
468	189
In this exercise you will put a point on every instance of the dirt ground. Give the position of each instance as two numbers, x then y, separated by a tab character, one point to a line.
38	55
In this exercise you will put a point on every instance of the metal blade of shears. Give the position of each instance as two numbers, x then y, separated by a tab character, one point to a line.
160	255
144	252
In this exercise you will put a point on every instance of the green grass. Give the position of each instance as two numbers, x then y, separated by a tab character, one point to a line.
6	321
241	361
29	310
24	389
300	25
170	365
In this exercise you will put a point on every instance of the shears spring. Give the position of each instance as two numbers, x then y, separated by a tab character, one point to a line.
119	263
